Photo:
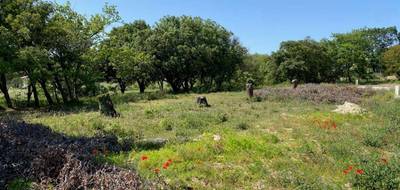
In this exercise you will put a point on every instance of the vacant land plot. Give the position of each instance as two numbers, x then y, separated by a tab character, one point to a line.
238	143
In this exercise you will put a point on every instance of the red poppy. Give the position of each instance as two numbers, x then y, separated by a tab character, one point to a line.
334	125
144	157
166	165
169	161
157	170
348	170
384	160
359	172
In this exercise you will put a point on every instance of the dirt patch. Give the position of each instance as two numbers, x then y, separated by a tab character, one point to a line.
47	158
315	93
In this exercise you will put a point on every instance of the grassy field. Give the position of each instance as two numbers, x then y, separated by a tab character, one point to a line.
241	144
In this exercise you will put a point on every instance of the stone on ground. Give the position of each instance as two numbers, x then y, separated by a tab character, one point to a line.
202	101
349	108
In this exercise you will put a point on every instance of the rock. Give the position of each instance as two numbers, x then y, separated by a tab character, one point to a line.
217	137
106	106
391	78
202	101
349	108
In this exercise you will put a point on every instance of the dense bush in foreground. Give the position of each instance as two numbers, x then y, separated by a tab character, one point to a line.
35	153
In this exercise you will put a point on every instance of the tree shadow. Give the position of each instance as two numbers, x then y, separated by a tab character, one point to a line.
131	97
87	104
36	153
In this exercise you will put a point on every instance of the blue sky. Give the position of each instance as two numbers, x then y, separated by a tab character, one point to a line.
262	24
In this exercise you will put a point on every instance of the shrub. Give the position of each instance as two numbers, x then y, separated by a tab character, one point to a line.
243	126
223	117
316	93
19	184
377	173
374	140
166	124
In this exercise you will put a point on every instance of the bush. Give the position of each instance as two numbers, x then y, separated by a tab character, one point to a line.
166	124
243	126
316	93
374	140
223	117
19	184
378	173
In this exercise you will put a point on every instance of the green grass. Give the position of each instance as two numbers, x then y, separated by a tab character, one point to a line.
267	144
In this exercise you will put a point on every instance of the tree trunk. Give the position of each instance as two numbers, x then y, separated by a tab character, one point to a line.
175	88
55	92
58	86
29	95
4	89
35	95
69	89
122	85
142	86
46	92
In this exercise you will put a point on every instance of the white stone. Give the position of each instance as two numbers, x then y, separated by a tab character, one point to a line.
349	108
217	137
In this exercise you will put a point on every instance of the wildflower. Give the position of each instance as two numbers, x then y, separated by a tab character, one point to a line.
169	160
144	157
157	170
360	172
166	165
348	170
384	160
334	125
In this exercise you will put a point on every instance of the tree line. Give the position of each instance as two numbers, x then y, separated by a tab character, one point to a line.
355	55
65	54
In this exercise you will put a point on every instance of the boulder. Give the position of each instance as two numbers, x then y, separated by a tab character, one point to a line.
202	101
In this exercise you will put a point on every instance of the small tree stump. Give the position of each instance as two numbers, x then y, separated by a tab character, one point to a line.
295	83
106	106
250	88
202	101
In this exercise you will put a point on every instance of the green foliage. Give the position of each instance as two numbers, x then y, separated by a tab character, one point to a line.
378	174
391	60
354	55
191	50
254	67
304	60
19	184
243	126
